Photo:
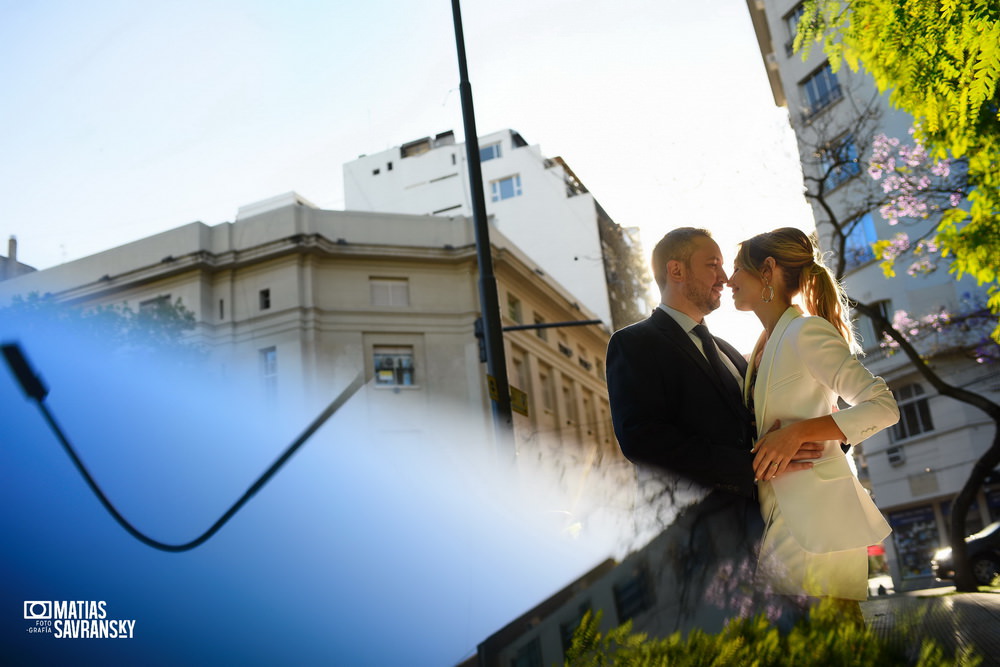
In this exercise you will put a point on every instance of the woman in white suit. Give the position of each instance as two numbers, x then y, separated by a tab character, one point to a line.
819	522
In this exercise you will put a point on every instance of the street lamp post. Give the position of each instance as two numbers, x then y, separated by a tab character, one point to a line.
496	365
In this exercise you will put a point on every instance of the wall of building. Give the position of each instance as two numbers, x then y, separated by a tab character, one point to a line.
553	224
297	286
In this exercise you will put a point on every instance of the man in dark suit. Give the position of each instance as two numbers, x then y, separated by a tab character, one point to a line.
678	413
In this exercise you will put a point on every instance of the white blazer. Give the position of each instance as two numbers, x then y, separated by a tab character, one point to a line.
805	367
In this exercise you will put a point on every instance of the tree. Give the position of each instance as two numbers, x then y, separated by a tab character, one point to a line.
940	62
158	327
911	190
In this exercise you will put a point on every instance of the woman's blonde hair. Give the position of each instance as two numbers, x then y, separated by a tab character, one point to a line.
805	274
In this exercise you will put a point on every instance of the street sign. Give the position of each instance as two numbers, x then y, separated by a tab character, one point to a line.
518	401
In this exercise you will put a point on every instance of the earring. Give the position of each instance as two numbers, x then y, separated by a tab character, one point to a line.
767	294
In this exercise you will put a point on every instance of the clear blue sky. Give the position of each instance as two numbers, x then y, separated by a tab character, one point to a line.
123	119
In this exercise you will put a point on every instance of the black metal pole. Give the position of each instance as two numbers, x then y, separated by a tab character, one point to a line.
496	364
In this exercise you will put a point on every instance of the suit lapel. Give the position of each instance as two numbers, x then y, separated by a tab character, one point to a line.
683	341
760	392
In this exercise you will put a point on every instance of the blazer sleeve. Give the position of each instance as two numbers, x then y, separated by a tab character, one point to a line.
656	424
826	356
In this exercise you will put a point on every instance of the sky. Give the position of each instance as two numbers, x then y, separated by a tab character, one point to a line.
124	119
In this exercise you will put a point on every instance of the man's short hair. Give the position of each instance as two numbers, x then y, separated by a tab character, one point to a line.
677	244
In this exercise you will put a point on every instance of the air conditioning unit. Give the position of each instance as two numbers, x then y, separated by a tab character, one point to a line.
896	456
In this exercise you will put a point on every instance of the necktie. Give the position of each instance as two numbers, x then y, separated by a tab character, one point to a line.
725	375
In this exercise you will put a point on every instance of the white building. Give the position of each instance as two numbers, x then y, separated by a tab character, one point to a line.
536	202
917	467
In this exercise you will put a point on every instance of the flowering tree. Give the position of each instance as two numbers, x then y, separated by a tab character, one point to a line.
938	60
912	190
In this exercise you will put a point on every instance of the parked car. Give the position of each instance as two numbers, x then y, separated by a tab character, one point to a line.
983	549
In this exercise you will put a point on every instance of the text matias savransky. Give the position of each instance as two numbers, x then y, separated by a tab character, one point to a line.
76	619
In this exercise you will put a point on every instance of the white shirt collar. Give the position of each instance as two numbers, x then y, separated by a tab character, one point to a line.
685	321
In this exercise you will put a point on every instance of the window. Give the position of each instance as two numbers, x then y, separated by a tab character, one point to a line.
375	172
869	339
506	188
489	152
519	376
514	308
541	332
389	292
529	655
264	299
222	309
819	90
393	365
858	245
569	402
633	595
547	385
839	162
914	412
567	629
152	306
269	371
792	19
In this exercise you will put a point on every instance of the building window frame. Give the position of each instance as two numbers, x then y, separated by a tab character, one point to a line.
540	332
394	365
633	594
528	655
839	162
268	359
389	292
150	306
514	311
914	413
490	152
819	90
264	299
506	188
868	337
791	21
858	242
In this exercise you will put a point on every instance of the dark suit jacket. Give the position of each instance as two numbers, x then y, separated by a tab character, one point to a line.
670	410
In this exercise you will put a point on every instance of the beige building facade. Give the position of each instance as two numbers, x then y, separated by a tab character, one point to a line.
297	301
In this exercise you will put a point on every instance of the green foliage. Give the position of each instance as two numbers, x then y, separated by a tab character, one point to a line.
939	60
825	638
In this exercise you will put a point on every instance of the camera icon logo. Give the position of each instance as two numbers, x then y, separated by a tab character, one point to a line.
37	610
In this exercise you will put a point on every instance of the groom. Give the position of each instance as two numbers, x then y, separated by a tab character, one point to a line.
678	412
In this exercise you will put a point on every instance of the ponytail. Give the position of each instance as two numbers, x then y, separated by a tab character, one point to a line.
824	296
805	273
